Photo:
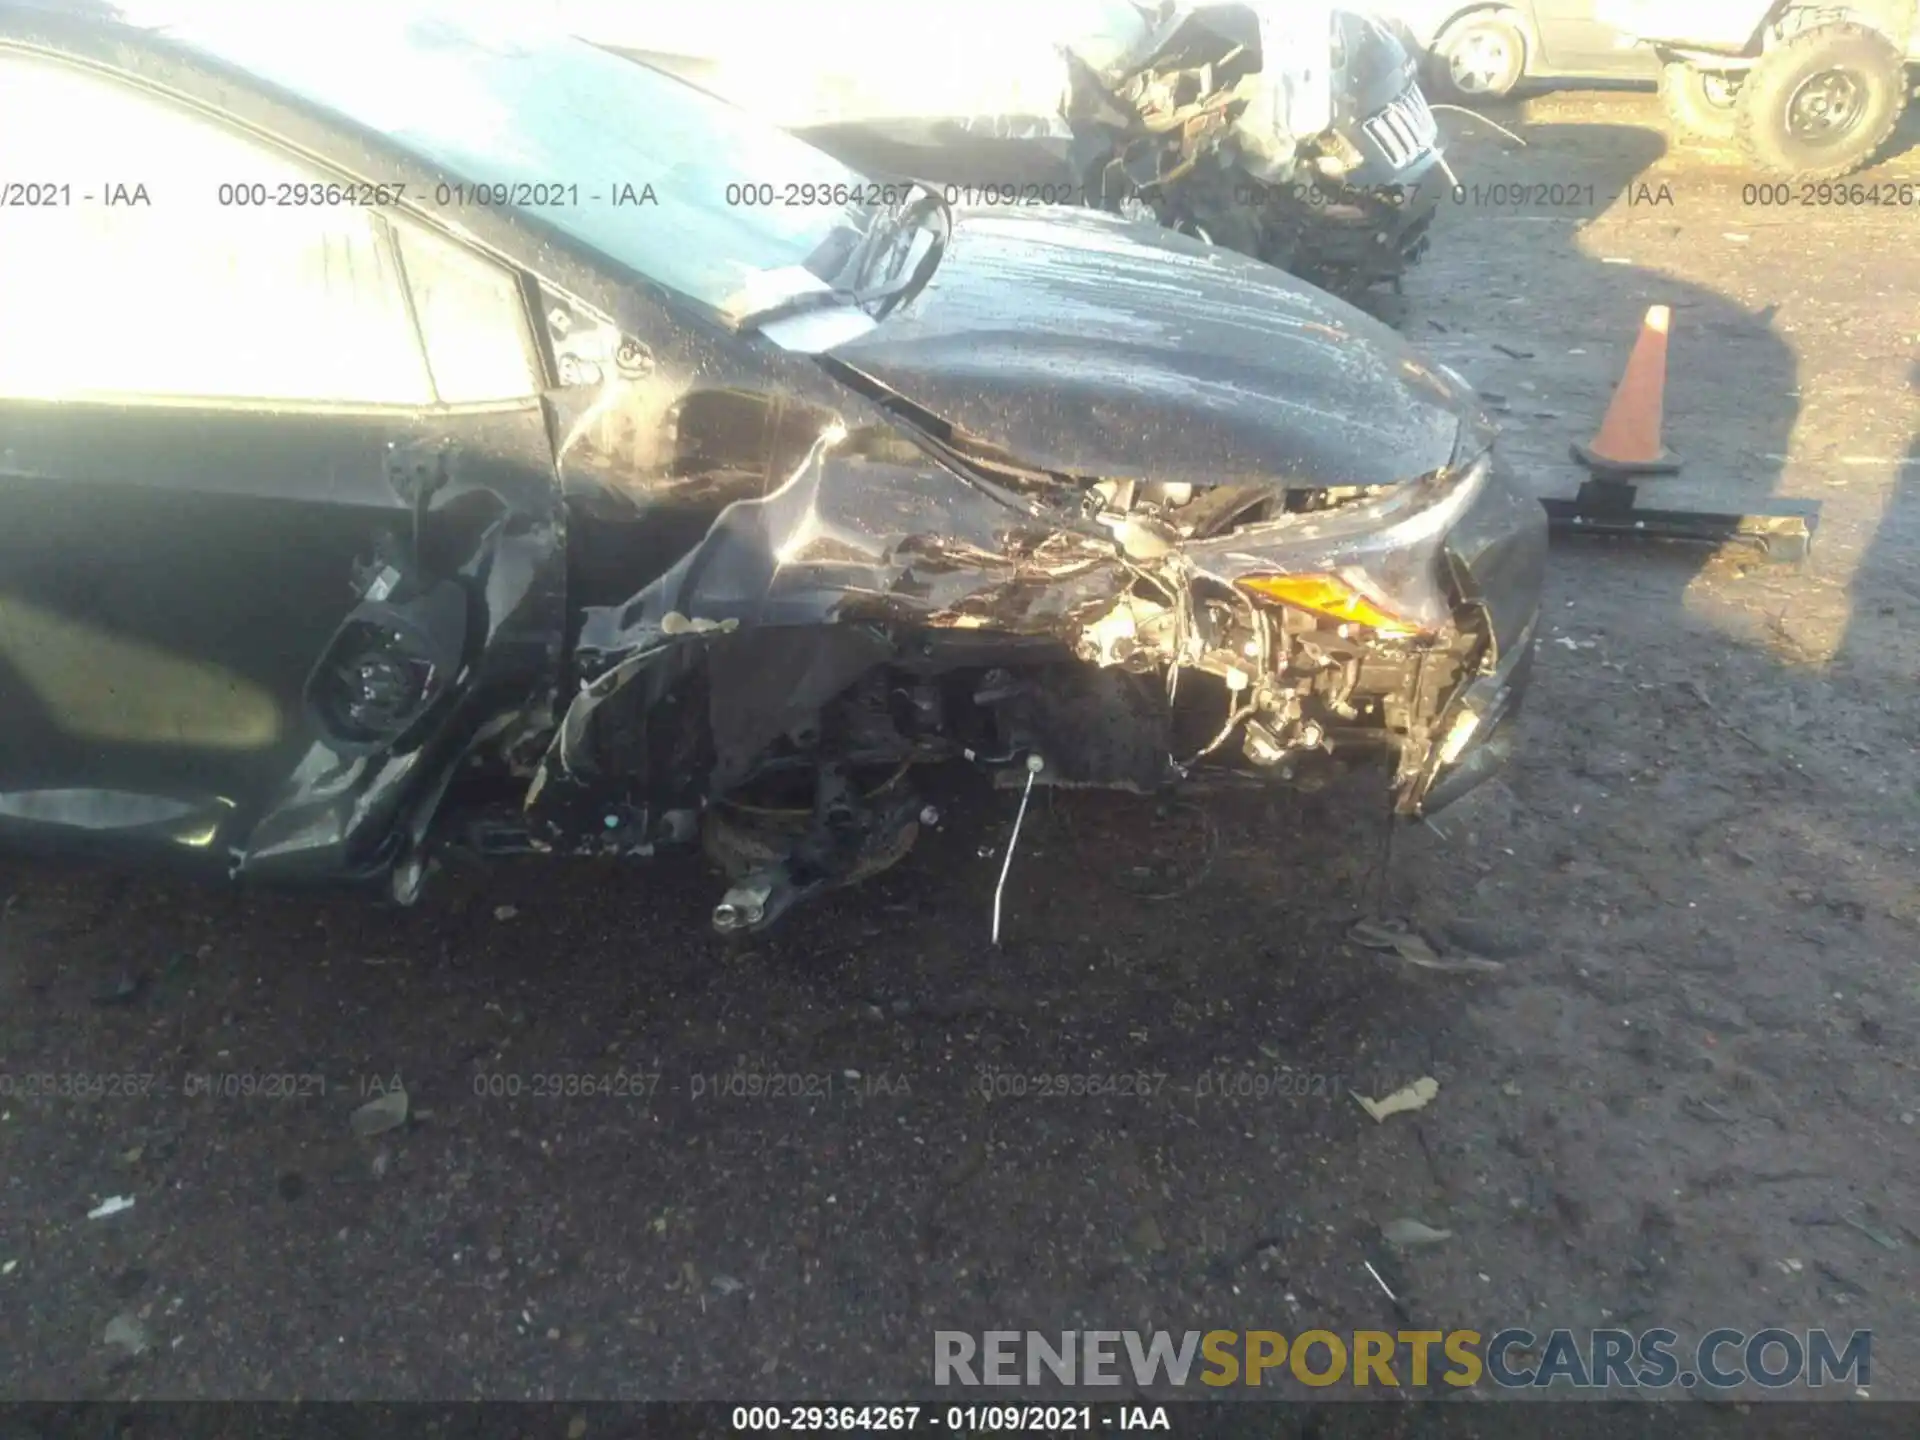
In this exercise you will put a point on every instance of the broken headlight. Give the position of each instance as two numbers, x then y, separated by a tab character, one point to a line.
1376	564
1338	597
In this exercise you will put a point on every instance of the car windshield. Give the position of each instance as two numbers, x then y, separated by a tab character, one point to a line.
671	183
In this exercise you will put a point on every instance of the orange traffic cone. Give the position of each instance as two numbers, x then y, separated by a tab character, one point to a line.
1629	438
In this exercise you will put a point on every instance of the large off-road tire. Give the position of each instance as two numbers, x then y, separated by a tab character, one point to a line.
1482	56
1820	105
1702	104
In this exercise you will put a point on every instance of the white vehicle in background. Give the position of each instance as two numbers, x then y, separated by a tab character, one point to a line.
1807	91
1286	129
1486	49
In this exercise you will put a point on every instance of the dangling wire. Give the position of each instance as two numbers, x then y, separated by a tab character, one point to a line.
1034	766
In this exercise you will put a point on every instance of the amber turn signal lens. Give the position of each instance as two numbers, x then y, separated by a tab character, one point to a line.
1330	596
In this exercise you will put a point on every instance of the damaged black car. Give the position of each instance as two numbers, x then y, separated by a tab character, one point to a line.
394	453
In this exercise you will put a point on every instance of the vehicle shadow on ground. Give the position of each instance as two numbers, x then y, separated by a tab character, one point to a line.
1886	588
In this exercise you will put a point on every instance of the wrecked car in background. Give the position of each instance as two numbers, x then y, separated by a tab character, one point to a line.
1295	132
506	488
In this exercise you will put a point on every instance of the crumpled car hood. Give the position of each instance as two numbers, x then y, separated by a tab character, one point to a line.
1092	347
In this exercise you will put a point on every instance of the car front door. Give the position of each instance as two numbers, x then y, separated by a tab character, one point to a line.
279	527
1573	38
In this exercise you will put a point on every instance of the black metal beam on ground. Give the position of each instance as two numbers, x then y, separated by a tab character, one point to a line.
1606	508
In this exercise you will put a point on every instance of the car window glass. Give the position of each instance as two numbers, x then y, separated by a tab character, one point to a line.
172	257
472	317
675	185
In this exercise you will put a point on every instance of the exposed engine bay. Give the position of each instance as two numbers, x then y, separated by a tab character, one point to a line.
1271	544
1267	542
1137	666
